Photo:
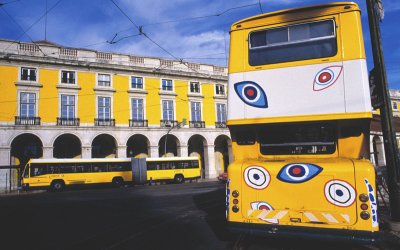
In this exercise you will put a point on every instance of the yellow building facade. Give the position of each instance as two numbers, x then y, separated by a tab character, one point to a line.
59	102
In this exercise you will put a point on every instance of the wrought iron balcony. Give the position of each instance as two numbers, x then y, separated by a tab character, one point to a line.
168	123
138	123
24	120
197	124
61	121
104	122
220	124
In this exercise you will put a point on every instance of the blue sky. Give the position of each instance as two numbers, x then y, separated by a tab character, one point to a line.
201	35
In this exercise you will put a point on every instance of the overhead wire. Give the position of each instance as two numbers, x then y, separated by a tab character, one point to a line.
34	23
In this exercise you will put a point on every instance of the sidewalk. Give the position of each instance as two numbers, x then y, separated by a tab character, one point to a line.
19	192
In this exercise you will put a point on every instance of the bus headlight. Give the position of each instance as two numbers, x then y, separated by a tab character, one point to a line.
363	197
235	209
235	193
364	215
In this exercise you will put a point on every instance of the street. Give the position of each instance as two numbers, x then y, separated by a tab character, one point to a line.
185	216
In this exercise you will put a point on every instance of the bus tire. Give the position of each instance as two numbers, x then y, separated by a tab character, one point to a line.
57	185
179	178
117	181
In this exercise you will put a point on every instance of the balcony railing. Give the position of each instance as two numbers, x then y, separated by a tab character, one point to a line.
168	123
138	123
220	124
104	122
61	121
23	120
197	124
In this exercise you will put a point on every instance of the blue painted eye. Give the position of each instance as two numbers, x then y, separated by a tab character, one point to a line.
298	172
251	93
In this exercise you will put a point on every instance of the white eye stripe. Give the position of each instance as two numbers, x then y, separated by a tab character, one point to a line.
256	177
257	91
306	172
340	193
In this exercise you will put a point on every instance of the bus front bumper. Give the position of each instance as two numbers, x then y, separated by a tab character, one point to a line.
323	234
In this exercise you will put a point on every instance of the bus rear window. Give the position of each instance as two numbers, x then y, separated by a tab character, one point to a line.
293	43
298	139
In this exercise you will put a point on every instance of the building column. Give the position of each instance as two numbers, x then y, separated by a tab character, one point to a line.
121	151
153	151
5	174
86	152
183	151
209	160
48	152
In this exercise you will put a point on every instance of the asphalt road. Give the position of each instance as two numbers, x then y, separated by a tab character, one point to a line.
175	216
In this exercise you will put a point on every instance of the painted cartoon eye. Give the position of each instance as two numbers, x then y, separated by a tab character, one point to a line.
252	94
261	205
256	177
340	193
326	77
298	172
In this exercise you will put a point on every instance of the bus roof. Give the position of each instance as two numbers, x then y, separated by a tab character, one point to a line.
276	16
70	160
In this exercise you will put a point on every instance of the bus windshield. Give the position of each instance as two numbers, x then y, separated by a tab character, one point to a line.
296	139
293	43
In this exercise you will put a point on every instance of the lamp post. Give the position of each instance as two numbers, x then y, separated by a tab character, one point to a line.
183	123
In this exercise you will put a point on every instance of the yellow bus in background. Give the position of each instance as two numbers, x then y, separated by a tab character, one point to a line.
55	174
299	112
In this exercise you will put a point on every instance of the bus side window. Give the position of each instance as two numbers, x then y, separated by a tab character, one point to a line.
66	168
38	169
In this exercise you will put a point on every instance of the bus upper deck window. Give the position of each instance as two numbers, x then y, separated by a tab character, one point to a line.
293	43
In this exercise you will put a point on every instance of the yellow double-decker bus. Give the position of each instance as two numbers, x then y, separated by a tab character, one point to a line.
299	112
55	174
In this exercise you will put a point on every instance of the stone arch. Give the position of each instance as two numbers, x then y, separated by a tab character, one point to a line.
223	152
138	146
168	146
24	147
67	146
197	146
104	146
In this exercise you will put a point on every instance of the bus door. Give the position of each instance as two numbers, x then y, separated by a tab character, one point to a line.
39	174
304	192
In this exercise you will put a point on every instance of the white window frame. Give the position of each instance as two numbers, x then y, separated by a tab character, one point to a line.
195	93
75	104
28	67
173	109
111	105
215	89
172	82
75	75
19	92
201	110
101	86
130	82
216	111
131	106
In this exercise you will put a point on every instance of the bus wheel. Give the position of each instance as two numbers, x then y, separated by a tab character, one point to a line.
57	186
118	181
179	178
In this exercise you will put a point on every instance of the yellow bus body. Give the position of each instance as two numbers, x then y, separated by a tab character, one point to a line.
98	177
266	191
170	174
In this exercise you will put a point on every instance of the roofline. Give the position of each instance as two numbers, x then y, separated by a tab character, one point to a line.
293	10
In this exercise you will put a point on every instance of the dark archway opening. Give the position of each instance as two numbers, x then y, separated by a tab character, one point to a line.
104	146
170	149
137	146
67	146
196	146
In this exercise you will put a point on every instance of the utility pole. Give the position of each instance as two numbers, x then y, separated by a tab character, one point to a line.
388	130
183	123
